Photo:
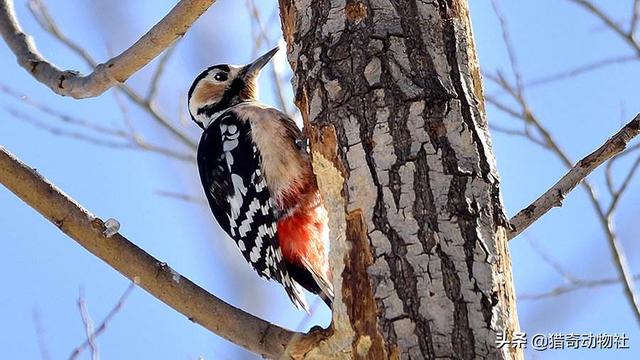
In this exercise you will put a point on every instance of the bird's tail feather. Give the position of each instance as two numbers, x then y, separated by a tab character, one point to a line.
326	288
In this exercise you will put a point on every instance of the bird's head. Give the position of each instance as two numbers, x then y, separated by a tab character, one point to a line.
221	86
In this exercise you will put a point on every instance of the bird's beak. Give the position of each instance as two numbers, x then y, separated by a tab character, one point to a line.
252	70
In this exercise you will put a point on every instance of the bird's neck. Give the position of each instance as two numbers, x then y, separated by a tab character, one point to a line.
209	113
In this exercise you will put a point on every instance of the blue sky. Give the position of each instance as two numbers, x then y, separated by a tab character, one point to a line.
44	270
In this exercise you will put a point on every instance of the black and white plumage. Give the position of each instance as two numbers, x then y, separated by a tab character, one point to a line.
258	180
230	164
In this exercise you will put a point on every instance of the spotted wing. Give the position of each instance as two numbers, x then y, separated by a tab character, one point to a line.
229	165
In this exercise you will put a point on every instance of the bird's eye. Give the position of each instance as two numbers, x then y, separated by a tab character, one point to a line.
220	76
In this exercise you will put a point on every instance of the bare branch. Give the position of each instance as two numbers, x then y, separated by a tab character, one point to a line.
608	176
556	194
130	141
41	14
97	140
154	276
626	36
141	143
528	118
72	120
552	262
580	70
526	133
610	164
40	335
114	71
183	197
503	107
635	15
578	285
157	75
150	108
506	131
88	326
260	38
506	38
105	323
617	194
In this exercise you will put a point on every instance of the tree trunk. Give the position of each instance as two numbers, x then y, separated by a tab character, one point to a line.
391	97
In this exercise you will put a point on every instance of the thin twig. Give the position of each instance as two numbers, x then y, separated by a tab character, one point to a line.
552	262
581	70
507	131
611	163
88	326
114	71
626	36
511	52
183	197
41	335
617	194
157	75
130	141
526	133
502	107
139	142
578	285
161	119
65	133
104	324
66	118
635	15
261	37
608	176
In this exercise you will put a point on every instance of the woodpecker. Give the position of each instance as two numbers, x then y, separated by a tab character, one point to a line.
257	177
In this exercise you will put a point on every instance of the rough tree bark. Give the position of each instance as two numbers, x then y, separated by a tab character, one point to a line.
391	97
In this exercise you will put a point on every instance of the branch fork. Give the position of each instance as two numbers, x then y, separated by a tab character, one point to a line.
104	76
